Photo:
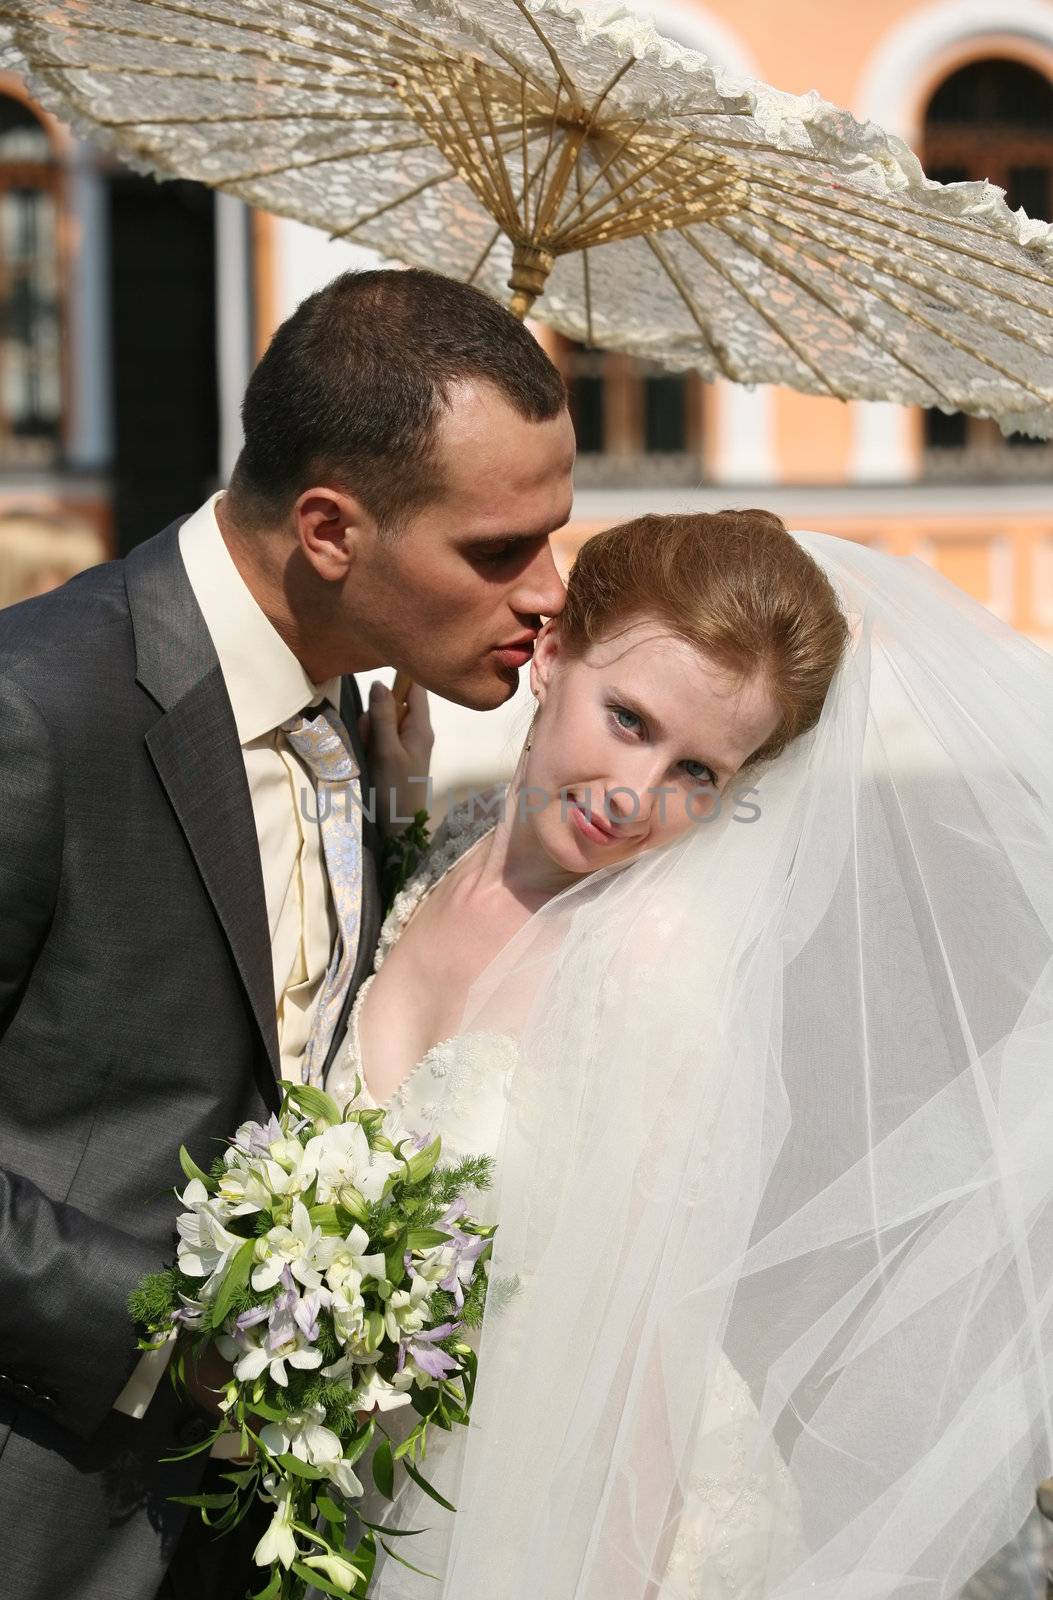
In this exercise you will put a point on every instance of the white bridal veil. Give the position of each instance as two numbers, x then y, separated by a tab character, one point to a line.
785	1100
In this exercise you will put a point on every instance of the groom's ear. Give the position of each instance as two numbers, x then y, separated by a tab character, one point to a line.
332	528
546	653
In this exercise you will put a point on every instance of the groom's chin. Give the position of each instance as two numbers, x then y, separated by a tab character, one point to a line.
486	690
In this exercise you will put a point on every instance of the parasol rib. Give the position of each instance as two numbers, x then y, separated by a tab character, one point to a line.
557	188
448	176
585	281
536	181
174	74
394	34
594	180
568	84
526	155
616	191
893	268
534	232
498	233
957	224
915	314
210	119
506	182
676	279
864	329
761	311
253	52
622	223
609	87
502	189
394	30
334	157
864	227
491	197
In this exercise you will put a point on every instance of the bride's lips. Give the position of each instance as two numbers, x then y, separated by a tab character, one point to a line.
592	830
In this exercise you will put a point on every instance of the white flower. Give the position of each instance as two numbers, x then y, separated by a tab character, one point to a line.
438	1263
254	1186
279	1542
336	1569
349	1261
384	1396
349	1312
342	1475
255	1354
205	1244
407	1312
347	1365
304	1435
303	1248
262	1166
343	1160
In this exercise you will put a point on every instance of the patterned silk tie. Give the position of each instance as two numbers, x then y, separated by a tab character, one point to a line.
321	741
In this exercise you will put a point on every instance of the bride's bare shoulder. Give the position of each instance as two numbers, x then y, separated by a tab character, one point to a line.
465	822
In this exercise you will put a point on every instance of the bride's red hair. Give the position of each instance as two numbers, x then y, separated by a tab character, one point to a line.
735	585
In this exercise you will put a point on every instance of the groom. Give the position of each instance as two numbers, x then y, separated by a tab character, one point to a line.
176	934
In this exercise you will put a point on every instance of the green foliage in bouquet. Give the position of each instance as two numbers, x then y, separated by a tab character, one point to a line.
334	1262
402	855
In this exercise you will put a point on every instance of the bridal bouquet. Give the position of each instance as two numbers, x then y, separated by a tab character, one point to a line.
334	1262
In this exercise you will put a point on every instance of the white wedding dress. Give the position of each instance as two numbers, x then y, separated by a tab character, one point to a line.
724	1532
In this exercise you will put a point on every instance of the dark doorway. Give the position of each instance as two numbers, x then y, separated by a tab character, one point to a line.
162	243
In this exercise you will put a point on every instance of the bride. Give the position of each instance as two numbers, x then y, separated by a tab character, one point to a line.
746	980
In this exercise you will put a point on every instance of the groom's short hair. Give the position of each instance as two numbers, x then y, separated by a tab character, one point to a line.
351	389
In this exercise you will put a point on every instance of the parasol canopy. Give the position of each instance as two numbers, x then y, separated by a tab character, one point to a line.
631	193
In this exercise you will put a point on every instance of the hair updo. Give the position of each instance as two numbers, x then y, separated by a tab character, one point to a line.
733	584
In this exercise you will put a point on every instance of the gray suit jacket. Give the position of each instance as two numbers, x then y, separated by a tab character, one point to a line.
136	1013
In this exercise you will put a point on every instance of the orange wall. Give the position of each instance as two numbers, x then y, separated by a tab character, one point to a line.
812	44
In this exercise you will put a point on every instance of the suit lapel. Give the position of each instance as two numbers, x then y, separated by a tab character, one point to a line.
199	760
194	747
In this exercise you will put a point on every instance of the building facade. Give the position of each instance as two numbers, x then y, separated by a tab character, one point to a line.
133	312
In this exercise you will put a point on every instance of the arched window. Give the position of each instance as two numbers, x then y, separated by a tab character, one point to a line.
992	119
30	331
635	421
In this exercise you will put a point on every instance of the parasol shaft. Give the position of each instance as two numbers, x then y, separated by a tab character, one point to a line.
521	302
531	265
401	689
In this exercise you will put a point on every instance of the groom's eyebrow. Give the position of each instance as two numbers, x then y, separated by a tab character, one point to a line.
630	702
488	541
485	540
497	541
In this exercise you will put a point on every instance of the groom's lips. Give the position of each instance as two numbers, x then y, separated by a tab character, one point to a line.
518	653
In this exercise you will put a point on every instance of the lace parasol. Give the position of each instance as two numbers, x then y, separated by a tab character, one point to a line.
646	199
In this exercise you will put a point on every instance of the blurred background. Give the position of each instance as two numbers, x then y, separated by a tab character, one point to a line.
131	313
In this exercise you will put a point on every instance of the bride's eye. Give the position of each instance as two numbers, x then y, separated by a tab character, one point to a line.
703	775
623	711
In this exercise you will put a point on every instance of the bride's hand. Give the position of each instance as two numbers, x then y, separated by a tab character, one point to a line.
399	755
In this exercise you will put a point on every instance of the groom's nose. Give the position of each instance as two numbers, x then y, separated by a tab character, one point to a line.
538	590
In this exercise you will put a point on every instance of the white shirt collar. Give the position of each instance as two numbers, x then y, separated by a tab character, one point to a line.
265	681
